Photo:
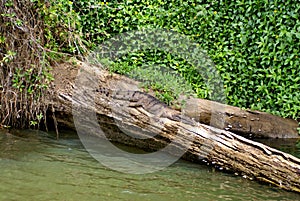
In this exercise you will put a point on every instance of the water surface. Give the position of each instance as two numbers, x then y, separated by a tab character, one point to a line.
35	166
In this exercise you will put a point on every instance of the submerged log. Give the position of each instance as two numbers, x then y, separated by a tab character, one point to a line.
120	106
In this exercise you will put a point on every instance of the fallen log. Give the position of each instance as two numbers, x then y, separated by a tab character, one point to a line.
245	122
120	107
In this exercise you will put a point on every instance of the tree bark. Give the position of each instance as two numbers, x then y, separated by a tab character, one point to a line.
119	107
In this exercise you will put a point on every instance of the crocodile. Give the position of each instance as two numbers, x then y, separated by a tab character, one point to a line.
147	102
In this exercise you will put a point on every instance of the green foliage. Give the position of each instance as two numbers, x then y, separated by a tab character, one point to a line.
62	26
254	44
33	83
168	84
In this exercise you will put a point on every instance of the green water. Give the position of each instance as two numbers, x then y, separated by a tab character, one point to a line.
38	167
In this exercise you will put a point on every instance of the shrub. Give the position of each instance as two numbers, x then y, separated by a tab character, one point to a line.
33	33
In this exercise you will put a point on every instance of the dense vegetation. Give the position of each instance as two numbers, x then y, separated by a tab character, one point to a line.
33	34
253	43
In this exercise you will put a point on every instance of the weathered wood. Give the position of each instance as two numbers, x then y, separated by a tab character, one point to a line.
247	123
220	148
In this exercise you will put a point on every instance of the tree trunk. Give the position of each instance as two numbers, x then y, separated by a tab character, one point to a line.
120	109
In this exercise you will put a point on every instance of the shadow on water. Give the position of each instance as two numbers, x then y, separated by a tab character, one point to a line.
36	166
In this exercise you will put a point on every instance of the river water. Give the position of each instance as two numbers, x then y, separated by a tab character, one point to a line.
35	166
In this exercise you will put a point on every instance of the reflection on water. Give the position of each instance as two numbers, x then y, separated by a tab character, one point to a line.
38	167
